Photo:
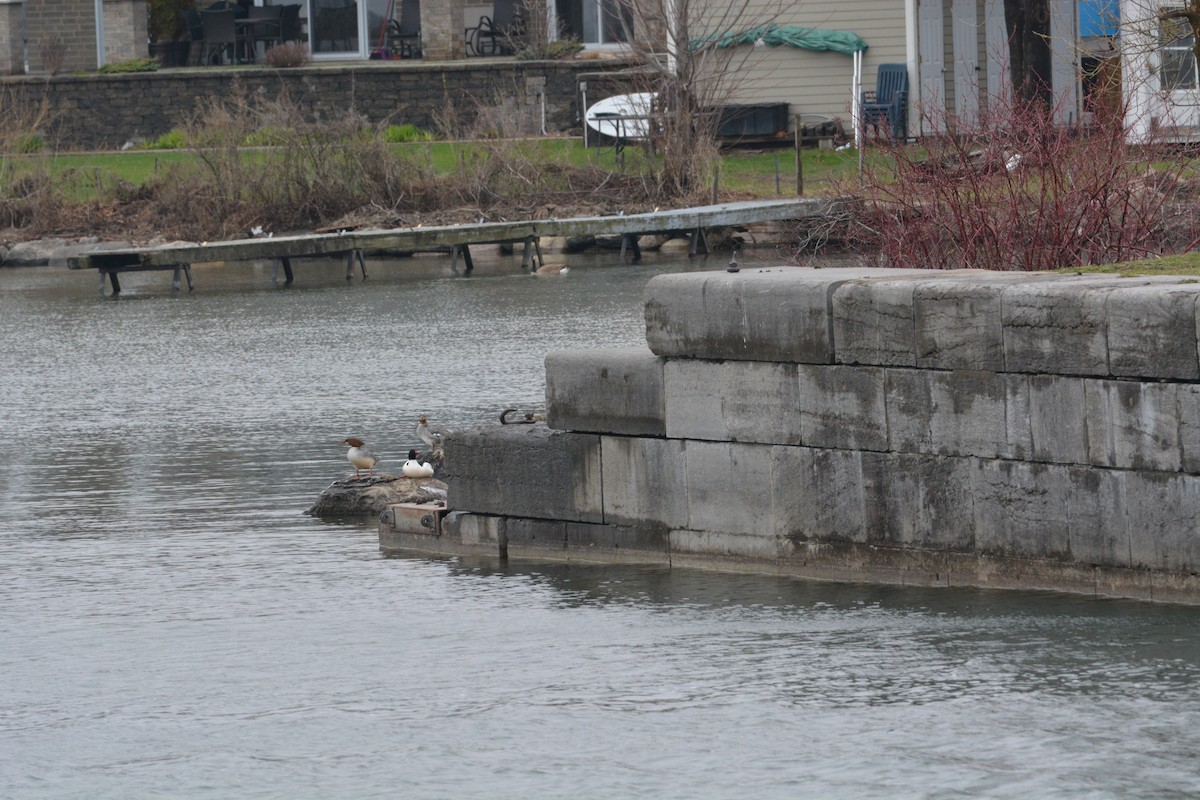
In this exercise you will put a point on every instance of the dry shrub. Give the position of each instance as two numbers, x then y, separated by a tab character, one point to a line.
1018	192
287	56
305	173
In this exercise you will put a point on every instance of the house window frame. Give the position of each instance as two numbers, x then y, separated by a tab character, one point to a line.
1174	52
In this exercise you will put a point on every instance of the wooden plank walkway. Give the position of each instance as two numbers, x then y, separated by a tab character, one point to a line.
352	244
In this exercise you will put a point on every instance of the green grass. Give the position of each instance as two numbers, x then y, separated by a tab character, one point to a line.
743	172
1182	264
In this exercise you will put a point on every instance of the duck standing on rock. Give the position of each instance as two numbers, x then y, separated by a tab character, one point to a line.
413	468
431	435
359	456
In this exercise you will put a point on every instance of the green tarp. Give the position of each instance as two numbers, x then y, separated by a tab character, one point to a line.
790	35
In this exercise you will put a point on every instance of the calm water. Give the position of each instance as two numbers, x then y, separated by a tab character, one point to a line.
171	625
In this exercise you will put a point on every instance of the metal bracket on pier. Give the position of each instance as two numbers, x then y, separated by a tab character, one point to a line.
362	263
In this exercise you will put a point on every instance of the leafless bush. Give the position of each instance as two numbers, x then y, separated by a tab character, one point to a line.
1018	192
54	54
287	56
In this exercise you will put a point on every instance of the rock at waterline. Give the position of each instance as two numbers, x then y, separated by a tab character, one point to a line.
370	495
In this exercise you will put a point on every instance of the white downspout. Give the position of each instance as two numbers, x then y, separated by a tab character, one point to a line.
913	60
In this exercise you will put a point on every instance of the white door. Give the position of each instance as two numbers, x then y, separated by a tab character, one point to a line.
965	46
1064	60
931	53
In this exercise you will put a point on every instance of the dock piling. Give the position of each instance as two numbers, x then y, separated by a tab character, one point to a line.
362	263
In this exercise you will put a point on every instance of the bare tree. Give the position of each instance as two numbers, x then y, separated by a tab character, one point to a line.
693	64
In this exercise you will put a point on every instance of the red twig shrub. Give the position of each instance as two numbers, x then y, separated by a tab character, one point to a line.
1017	192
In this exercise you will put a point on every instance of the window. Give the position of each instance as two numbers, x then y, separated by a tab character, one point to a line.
1177	67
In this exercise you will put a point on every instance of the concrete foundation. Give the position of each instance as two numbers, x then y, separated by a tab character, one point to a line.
916	428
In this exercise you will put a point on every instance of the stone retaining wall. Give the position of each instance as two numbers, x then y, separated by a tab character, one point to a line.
92	112
925	428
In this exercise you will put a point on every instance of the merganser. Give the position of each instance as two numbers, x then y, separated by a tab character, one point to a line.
416	469
359	456
432	436
552	269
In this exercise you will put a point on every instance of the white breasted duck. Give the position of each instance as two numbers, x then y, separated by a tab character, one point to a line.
359	456
414	468
552	269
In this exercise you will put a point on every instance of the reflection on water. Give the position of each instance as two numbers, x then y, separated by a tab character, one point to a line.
173	626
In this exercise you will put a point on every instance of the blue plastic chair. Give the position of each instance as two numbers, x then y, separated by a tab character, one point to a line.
888	104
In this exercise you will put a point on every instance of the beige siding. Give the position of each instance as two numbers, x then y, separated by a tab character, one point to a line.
819	83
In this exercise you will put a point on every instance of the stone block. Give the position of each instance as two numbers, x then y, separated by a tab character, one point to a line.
1133	425
779	314
606	390
1163	518
1019	511
957	413
645	481
958	324
617	544
729	488
1152	332
535	538
476	529
1097	522
817	494
713	547
873	323
842	407
740	401
525	471
1189	426
1058	419
1057	327
921	501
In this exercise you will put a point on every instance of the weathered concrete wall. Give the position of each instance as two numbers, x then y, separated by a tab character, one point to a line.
106	111
961	428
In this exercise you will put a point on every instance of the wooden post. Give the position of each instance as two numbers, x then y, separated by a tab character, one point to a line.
716	182
799	161
537	246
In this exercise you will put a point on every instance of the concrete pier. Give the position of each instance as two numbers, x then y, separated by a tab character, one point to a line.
918	428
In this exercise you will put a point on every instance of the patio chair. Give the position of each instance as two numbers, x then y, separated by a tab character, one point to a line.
494	34
888	103
263	24
220	35
404	37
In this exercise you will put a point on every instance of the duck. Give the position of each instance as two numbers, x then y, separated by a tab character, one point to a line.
359	456
414	468
552	269
431	435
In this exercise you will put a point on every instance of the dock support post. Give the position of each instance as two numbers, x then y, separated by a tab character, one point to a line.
631	240
699	243
525	253
537	247
112	277
181	269
468	263
286	263
362	262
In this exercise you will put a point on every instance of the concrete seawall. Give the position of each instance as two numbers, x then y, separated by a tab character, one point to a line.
922	428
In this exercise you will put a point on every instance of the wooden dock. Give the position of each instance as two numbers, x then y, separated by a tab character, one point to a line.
352	244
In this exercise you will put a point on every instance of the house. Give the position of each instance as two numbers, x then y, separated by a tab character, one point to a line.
67	35
1160	86
956	52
